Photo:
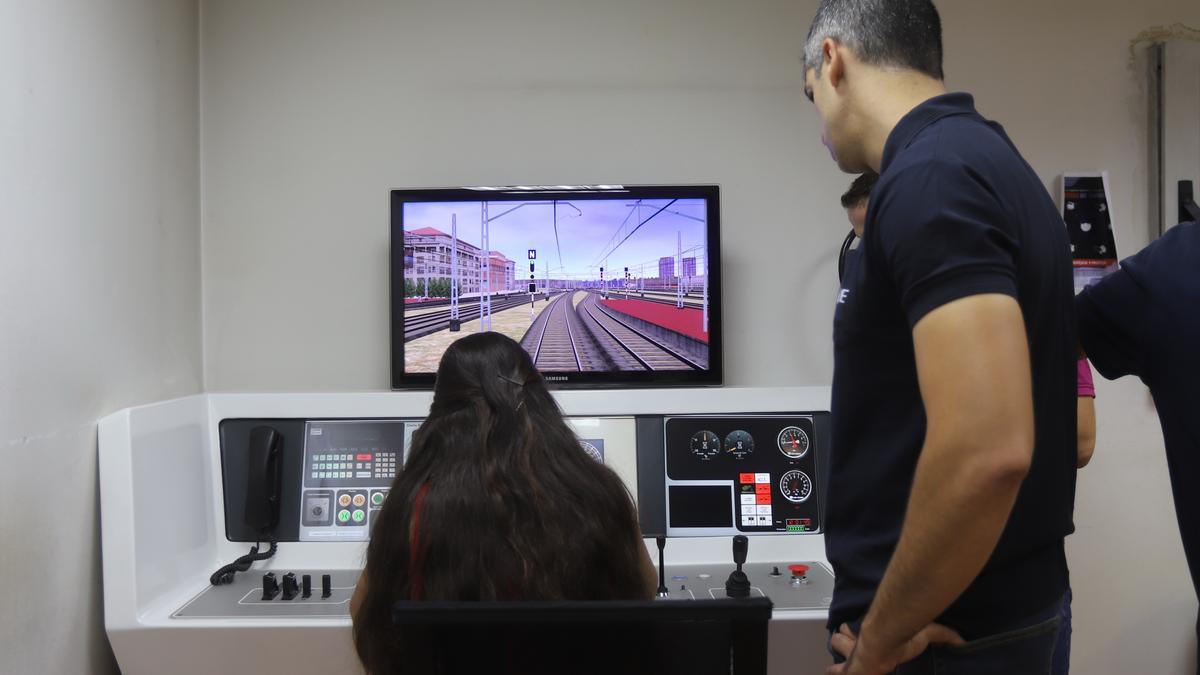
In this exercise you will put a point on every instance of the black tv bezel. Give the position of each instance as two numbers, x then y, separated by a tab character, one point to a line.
713	377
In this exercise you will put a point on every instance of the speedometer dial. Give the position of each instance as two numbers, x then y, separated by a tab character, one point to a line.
796	486
592	451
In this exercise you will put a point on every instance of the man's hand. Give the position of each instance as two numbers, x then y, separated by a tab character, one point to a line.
859	660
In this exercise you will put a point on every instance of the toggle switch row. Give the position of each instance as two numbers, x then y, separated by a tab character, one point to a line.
271	587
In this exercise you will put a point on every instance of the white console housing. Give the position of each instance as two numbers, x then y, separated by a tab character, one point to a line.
163	526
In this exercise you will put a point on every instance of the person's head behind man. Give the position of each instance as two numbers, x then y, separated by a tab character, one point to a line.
856	199
866	64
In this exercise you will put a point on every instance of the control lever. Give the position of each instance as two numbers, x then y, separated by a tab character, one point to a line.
326	586
270	586
290	589
662	568
306	586
738	584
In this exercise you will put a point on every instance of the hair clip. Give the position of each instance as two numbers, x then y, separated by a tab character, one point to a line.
519	384
509	379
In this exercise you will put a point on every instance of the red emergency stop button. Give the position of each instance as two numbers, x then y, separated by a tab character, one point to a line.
798	570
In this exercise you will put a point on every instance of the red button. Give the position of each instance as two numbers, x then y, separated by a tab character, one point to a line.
798	570
762	488
746	478
363	458
763	499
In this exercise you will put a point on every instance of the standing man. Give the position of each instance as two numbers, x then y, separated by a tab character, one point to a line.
855	202
952	476
1144	320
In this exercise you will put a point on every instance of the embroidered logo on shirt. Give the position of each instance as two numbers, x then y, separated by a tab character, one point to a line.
845	293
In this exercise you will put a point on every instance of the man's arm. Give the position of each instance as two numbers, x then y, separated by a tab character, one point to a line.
1085	434
973	365
1112	319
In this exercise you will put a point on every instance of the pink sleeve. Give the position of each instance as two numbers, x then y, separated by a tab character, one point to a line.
1083	379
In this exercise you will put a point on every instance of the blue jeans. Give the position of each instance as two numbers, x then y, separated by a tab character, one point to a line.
1040	645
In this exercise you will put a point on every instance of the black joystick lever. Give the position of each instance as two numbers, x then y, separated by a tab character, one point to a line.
290	588
270	586
738	585
326	586
662	569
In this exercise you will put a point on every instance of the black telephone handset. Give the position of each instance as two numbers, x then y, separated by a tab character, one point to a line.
263	479
263	484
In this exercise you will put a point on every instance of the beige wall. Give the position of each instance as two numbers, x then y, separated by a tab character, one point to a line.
1061	78
99	288
313	110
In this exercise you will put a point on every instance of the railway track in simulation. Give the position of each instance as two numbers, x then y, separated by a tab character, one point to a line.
432	322
557	341
626	342
556	349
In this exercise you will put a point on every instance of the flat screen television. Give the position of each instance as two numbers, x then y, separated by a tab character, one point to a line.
603	285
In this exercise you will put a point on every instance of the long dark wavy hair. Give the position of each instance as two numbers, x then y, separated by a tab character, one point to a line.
510	506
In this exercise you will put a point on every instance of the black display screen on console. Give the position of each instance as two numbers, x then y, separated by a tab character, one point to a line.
700	506
746	473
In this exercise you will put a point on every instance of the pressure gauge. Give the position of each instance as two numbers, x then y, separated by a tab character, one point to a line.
793	442
706	444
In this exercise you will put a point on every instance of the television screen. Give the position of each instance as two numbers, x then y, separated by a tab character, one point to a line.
602	285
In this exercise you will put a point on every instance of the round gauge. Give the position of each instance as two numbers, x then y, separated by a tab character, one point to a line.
793	442
592	451
739	444
796	486
705	444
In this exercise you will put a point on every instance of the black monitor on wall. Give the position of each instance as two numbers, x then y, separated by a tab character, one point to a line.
604	285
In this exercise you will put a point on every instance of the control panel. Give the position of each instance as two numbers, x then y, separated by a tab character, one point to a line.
349	465
741	474
299	593
696	475
712	475
794	586
326	593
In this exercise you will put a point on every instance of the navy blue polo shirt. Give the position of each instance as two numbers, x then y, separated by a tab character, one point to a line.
1144	320
957	212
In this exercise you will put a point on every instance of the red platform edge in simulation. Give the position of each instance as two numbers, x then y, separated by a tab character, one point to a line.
688	321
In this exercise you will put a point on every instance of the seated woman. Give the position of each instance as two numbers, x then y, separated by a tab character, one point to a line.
497	501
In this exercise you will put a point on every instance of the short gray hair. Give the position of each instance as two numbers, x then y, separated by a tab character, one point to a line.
900	33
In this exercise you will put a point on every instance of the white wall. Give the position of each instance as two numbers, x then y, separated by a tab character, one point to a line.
313	110
1062	79
1181	124
99	287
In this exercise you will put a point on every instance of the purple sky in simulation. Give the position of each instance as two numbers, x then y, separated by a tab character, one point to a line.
587	230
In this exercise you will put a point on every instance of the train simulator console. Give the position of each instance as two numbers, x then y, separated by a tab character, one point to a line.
728	480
